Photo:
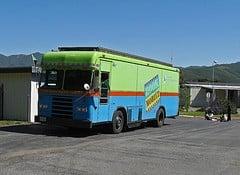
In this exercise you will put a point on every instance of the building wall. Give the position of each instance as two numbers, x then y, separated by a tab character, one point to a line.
220	94
17	95
238	99
197	97
234	97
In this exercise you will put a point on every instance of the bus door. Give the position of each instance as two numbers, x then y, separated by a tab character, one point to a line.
133	111
104	104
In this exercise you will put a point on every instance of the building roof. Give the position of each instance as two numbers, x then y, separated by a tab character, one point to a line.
17	63
209	85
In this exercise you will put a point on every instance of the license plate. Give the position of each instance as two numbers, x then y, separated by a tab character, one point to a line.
42	119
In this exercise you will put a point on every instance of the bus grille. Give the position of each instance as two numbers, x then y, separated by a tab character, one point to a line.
62	106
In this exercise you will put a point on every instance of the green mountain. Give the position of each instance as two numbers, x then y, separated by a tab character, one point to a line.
224	73
20	60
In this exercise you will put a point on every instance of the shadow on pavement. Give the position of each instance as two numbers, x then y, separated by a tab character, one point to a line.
38	129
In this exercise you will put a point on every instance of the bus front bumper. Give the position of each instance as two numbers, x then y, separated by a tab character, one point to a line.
64	122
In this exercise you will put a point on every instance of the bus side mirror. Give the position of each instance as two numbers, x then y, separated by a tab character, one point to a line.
86	86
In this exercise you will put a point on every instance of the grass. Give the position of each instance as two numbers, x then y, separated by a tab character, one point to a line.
12	122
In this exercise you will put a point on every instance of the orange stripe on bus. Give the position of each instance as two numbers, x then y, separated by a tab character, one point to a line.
126	93
131	93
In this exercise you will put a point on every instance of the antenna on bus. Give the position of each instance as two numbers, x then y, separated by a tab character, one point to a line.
171	57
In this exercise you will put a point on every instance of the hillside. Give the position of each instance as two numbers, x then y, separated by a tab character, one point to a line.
224	73
20	60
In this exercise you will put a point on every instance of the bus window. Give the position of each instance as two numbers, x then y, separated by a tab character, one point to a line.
104	87
52	79
95	81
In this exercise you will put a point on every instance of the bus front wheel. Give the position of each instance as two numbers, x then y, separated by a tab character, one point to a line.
117	122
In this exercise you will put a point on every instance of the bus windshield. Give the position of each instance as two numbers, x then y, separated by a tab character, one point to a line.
72	79
75	79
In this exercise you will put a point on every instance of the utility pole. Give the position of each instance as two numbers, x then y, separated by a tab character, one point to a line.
171	57
213	76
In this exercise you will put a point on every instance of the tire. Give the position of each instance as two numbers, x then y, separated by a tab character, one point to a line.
117	122
159	122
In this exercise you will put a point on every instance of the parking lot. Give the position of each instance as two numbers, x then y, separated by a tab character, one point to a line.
182	146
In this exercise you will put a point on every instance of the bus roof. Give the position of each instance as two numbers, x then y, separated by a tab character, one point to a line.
110	51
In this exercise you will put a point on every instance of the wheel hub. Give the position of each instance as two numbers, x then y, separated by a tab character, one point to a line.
118	122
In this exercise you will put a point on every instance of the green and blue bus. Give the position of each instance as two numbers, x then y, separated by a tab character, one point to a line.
88	86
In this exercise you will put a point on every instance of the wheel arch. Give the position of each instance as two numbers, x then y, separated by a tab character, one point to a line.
164	110
124	111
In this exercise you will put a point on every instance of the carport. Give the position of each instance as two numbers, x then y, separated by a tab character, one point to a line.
201	93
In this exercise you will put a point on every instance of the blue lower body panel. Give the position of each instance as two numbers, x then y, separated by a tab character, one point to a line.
137	110
89	108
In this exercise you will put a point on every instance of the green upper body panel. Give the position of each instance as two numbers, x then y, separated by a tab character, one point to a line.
70	59
127	74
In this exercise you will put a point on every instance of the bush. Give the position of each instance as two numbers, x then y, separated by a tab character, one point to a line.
222	107
184	98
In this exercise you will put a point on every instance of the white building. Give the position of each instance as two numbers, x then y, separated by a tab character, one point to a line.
18	90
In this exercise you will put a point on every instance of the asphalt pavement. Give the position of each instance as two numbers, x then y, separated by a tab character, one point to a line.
182	146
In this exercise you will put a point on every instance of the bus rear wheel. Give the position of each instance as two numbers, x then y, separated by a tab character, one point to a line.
159	118
117	122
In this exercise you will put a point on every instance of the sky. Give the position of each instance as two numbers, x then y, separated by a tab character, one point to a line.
191	32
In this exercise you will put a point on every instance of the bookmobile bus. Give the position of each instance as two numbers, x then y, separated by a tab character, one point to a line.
88	86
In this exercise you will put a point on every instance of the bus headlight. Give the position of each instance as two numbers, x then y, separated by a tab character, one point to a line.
42	106
82	109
